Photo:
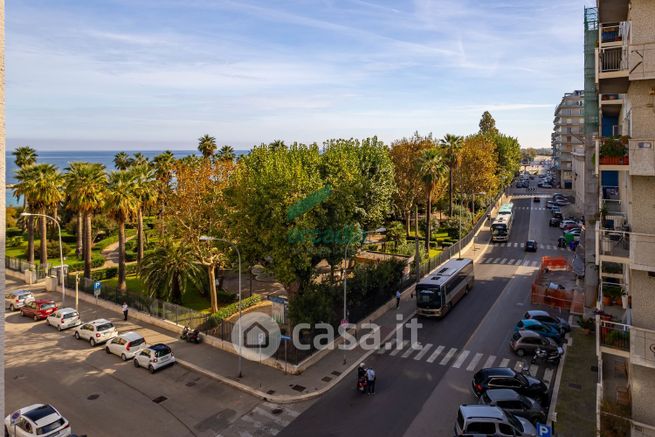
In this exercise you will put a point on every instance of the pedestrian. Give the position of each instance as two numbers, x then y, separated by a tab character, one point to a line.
397	298
124	310
370	379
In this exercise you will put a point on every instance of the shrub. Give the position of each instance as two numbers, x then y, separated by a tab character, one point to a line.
14	232
102	274
97	260
53	249
14	241
130	256
232	309
225	297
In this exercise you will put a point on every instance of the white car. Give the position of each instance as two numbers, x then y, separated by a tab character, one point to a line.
126	345
41	420
567	222
96	332
154	357
64	318
17	299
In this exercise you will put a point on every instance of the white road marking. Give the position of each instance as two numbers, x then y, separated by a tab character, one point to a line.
504	261
423	351
411	350
387	346
489	362
516	244
448	356
496	260
474	362
534	263
395	351
522	244
504	362
518	366
435	354
460	359
277	419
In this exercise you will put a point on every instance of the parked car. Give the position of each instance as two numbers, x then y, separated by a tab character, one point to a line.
570	226
154	357
550	204
490	420
37	420
526	342
17	299
554	222
536	199
555	209
64	318
574	231
531	246
567	222
515	403
96	332
505	377
562	202
547	185
38	309
126	345
545	318
539	328
558	215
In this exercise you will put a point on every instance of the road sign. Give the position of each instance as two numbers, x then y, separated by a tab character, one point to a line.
544	430
97	285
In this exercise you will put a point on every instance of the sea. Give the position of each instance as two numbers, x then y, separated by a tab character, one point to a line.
61	159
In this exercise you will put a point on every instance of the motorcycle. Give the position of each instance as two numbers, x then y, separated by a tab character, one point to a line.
192	336
362	384
548	357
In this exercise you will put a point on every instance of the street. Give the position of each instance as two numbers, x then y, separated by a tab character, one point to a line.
418	390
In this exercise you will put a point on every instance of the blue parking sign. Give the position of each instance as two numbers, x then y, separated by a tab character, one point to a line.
544	430
96	285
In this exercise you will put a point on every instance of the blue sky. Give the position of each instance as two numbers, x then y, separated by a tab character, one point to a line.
121	74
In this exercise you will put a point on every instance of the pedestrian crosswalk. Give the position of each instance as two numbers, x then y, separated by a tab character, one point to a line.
465	359
522	245
266	419
510	262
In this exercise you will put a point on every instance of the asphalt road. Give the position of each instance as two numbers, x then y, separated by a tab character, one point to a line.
418	391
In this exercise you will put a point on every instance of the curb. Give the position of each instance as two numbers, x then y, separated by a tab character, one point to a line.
552	414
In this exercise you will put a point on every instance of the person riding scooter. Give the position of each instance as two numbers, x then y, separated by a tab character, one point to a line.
362	383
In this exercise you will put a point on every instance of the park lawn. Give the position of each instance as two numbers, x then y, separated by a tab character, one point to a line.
434	252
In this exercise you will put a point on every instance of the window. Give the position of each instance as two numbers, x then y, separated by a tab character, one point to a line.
481	428
505	429
510	383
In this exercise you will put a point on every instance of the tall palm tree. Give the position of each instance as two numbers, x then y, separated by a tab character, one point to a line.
25	188
207	145
48	192
451	144
226	154
25	157
122	161
86	184
164	166
432	169
169	270
145	191
121	205
139	159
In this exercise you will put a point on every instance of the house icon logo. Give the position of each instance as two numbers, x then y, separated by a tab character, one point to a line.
256	336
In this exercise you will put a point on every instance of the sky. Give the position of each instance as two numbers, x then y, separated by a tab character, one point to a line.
154	74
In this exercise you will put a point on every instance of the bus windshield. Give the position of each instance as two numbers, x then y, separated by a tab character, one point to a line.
499	229
428	297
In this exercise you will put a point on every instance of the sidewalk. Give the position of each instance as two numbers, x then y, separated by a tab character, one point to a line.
260	380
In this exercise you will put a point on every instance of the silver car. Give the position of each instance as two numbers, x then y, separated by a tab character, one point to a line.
491	420
17	299
64	318
527	342
96	332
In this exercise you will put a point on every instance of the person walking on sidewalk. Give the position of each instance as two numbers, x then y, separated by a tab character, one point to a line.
125	310
370	379
397	298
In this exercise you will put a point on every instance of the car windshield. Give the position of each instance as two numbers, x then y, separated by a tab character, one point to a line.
514	421
47	306
137	342
69	315
50	427
428	297
105	326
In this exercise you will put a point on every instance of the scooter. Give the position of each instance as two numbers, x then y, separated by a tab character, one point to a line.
191	336
548	357
362	384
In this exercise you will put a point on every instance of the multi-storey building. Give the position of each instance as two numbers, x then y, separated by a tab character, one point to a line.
622	169
568	133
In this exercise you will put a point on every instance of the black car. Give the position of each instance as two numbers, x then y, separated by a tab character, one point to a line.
505	377
530	246
558	215
545	318
515	403
536	199
554	222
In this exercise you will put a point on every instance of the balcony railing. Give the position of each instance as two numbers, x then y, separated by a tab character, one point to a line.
614	244
639	342
614	160
613	207
612	59
614	335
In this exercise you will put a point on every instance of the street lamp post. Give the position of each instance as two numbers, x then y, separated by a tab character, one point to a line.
207	238
61	250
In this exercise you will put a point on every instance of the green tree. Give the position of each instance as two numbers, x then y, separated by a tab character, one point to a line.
226	153
122	203
488	124
139	159
170	270
508	151
432	169
146	193
451	145
164	167
25	157
479	167
122	161
207	145
25	187
86	185
48	192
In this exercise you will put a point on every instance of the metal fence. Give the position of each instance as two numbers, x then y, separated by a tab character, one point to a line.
20	265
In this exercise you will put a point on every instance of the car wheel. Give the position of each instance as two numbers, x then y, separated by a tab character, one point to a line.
36	318
136	363
520	352
92	342
123	357
107	350
77	335
6	432
59	328
151	369
11	307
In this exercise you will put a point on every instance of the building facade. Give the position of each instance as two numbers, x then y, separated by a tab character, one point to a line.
623	152
568	133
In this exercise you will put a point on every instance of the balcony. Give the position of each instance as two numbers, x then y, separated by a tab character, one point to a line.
641	61
612	34
614	337
613	153
612	69
642	157
619	338
610	11
617	246
613	246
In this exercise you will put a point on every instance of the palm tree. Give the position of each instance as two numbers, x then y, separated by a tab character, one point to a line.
169	270
144	189
164	166
47	183
432	169
207	145
226	154
86	184
25	187
25	157
121	204
139	159
122	161
451	144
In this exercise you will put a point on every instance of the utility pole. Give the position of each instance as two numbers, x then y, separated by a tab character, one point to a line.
417	256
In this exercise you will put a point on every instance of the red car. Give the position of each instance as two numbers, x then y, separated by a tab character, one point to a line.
39	309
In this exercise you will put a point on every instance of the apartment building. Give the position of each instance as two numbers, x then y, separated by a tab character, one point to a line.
568	133
623	170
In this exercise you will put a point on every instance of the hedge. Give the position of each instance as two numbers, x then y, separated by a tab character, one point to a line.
96	261
14	232
232	309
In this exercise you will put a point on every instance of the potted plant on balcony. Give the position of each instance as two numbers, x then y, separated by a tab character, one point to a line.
611	293
613	150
